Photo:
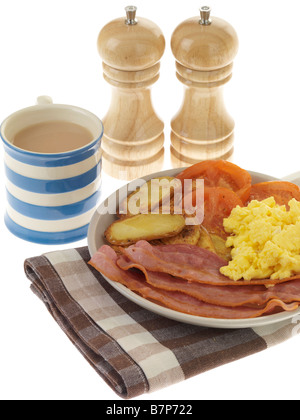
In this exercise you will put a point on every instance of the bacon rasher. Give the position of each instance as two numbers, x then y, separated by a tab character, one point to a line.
105	260
189	262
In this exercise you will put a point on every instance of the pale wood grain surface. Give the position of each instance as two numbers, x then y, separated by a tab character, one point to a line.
133	141
203	128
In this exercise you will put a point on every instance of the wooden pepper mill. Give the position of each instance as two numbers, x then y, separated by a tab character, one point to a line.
133	141
204	50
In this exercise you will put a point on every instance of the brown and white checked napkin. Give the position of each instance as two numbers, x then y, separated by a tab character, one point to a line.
135	351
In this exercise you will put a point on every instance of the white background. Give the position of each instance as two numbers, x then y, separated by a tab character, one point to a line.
49	47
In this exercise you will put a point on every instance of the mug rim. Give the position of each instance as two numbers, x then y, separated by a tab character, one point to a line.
53	155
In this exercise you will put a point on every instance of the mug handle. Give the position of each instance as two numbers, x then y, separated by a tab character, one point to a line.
44	100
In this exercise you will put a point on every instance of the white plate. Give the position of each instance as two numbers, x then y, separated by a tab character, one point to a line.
100	222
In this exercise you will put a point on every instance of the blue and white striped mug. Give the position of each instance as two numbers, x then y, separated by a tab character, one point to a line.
51	196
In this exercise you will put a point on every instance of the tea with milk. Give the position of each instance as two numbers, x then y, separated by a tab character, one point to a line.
52	137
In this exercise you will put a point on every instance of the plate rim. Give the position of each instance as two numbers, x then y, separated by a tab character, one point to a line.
171	313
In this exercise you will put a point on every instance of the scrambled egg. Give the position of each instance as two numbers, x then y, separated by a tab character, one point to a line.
265	240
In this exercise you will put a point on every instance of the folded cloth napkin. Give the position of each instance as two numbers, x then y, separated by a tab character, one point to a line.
135	351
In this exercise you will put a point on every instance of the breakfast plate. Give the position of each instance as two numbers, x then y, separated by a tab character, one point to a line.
103	218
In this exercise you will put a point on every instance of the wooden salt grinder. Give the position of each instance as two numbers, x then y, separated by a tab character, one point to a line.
204	51
133	141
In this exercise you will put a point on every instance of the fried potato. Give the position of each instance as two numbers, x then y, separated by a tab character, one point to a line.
144	226
189	235
214	243
150	197
205	240
220	246
117	250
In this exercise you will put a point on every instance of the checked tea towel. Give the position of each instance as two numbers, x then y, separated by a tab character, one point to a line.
135	351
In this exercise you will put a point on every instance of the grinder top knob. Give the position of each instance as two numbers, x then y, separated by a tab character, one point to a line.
204	44
130	43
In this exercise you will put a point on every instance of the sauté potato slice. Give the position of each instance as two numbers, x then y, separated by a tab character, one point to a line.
146	199
205	240
189	235
146	227
220	246
214	243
